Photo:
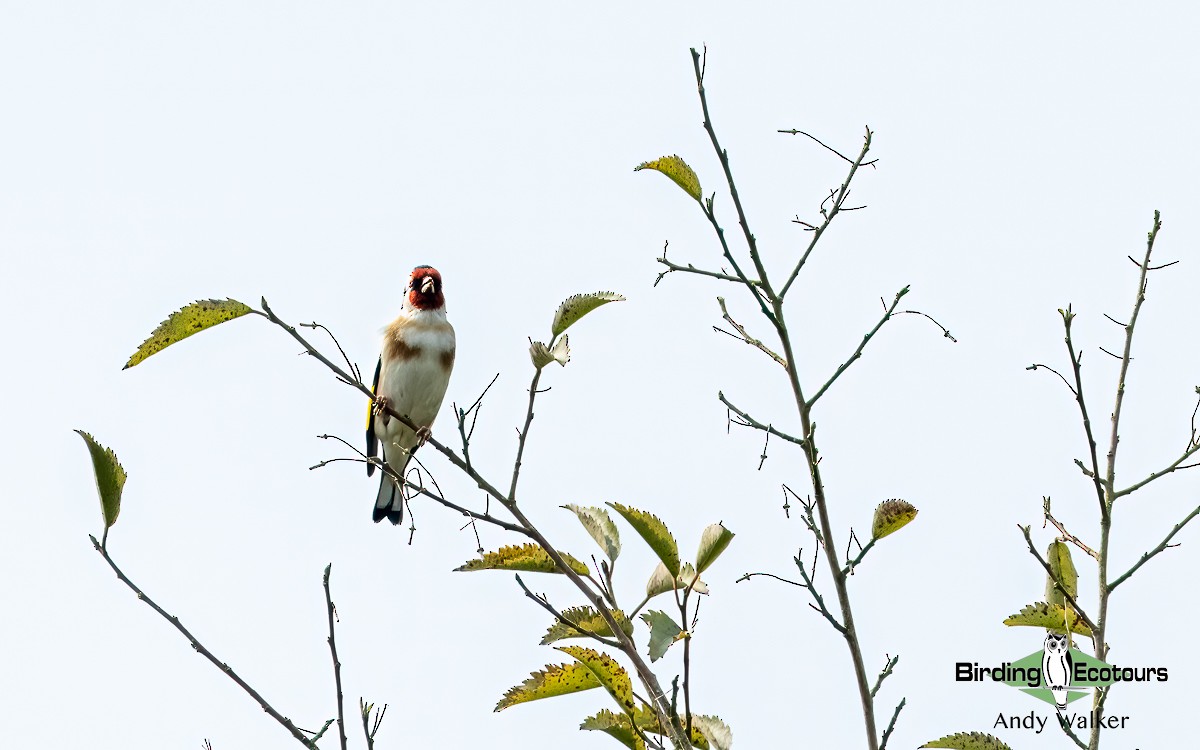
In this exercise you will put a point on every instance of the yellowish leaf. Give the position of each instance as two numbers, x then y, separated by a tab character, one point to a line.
556	679
891	516
528	557
679	172
189	320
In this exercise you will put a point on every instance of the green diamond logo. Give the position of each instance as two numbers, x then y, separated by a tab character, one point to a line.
1086	672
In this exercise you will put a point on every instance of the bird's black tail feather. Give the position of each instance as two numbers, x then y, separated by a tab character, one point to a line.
389	502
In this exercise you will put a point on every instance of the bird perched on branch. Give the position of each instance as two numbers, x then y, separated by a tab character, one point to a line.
411	378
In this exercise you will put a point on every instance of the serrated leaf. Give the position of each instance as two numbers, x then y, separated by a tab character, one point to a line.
556	679
576	306
110	478
648	721
661	581
713	542
1049	616
618	726
600	527
612	675
529	557
968	741
891	516
542	355
714	730
663	632
654	532
587	618
679	172
1059	557
190	319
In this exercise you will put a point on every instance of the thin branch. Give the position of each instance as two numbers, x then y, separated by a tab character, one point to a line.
1076	367
748	421
751	243
1057	581
930	318
1062	530
370	729
352	367
485	516
884	674
1176	465
748	576
812	589
891	725
829	215
1125	356
337	665
1038	366
1162	546
844	158
689	268
746	337
542	602
887	315
200	648
852	564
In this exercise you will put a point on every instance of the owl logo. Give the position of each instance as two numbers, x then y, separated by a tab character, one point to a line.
1057	668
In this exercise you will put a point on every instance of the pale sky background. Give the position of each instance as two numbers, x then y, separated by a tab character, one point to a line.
152	154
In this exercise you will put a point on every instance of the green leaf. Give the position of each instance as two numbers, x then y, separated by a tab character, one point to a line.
714	730
654	532
587	618
601	528
191	319
891	516
648	721
611	675
663	632
679	172
576	306
713	542
528	557
661	581
1059	558
1050	616
110	478
543	355
618	726
557	679
969	741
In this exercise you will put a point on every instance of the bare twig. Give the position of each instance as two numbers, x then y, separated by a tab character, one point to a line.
887	315
829	215
337	665
746	337
891	725
1162	546
1062	530
203	651
844	158
884	674
749	421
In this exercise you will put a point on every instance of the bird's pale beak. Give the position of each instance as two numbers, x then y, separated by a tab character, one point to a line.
427	285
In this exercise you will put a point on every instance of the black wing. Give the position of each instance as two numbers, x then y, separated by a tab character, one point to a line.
372	441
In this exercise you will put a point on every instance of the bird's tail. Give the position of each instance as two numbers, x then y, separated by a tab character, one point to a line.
389	502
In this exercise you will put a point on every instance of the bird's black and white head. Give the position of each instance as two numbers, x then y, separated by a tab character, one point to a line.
424	290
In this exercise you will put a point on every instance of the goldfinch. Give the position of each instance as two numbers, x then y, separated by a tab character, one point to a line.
411	377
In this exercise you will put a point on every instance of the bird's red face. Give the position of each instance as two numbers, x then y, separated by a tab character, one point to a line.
425	289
